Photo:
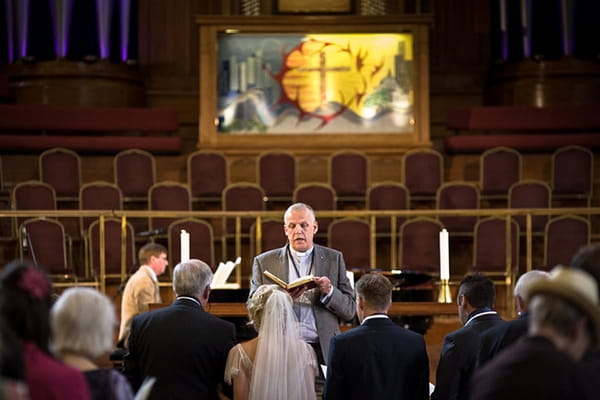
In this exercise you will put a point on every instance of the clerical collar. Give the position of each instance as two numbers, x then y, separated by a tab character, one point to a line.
297	253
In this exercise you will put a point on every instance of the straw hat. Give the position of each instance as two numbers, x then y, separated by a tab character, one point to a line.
576	287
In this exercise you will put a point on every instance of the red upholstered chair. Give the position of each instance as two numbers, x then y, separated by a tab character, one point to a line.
490	250
387	196
490	253
32	195
422	173
499	168
43	241
98	195
349	175
61	168
572	174
564	236
242	196
530	194
353	238
116	267
208	175
458	196
202	245
135	173
276	171
419	245
167	196
321	197
272	236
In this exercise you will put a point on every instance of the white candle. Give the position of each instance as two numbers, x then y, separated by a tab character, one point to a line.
185	245
444	256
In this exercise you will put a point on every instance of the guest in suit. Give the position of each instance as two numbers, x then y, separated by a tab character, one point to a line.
277	364
564	324
379	359
458	358
495	339
181	345
25	300
321	309
142	287
83	322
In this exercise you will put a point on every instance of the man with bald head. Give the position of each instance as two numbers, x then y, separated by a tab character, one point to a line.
321	309
182	346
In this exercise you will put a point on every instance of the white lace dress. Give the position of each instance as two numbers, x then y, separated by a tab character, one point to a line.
238	362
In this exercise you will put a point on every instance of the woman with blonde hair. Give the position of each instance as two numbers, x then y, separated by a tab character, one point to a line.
277	364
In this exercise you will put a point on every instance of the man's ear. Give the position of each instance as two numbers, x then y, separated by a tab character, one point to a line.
206	293
316	227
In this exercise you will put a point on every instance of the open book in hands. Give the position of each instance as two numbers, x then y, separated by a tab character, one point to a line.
306	280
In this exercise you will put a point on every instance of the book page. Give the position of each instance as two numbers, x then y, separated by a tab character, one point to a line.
275	279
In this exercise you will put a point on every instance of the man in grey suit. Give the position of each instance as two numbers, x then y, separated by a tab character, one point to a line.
321	309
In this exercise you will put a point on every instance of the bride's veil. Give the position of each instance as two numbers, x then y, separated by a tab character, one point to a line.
281	362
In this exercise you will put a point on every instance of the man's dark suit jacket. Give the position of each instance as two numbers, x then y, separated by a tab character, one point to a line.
377	360
534	368
458	358
497	338
181	345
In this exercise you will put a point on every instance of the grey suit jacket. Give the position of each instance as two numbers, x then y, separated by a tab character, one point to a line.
327	262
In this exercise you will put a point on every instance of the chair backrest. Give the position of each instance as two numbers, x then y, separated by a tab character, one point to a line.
42	241
458	196
207	174
489	246
387	196
61	168
564	236
422	172
276	171
530	194
242	196
32	195
98	195
167	196
572	173
135	173
352	237
349	174
273	236
419	245
499	168
113	233
202	245
321	197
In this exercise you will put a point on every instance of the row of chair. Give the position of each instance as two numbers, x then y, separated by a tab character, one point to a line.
422	169
44	240
175	196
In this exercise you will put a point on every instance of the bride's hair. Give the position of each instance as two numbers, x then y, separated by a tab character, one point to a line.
281	362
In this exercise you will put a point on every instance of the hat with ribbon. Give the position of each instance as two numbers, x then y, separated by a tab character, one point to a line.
575	286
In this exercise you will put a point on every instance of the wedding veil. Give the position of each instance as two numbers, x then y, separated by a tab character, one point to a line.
282	365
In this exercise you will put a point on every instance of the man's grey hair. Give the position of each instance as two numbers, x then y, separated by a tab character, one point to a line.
191	277
296	207
527	279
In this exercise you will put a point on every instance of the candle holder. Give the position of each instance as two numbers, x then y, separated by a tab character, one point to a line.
444	295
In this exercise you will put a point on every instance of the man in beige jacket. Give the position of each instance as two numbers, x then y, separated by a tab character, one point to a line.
142	287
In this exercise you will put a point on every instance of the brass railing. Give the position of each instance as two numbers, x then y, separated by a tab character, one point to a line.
370	215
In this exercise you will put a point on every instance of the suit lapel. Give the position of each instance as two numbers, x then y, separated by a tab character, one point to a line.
319	261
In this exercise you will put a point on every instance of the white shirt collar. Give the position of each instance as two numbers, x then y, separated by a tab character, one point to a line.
189	298
479	315
373	316
151	272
